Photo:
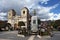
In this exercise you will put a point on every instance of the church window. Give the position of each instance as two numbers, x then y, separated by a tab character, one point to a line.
23	12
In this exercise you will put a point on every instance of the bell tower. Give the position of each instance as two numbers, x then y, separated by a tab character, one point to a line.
25	16
24	12
11	14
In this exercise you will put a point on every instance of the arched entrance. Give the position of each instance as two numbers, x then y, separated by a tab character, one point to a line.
21	23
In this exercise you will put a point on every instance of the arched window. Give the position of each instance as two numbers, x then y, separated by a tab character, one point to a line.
23	12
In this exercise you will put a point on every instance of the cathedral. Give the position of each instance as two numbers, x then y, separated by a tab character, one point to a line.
13	19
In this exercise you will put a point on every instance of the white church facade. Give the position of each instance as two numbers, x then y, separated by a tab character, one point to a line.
13	19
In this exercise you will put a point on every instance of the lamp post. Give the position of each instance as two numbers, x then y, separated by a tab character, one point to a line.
34	12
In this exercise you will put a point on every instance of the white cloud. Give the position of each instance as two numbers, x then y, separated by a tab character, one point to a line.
54	16
47	15
43	12
10	3
44	1
18	4
3	16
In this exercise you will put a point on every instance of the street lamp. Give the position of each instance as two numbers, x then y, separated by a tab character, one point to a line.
34	12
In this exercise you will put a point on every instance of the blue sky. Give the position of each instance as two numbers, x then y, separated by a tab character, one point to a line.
45	9
51	3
